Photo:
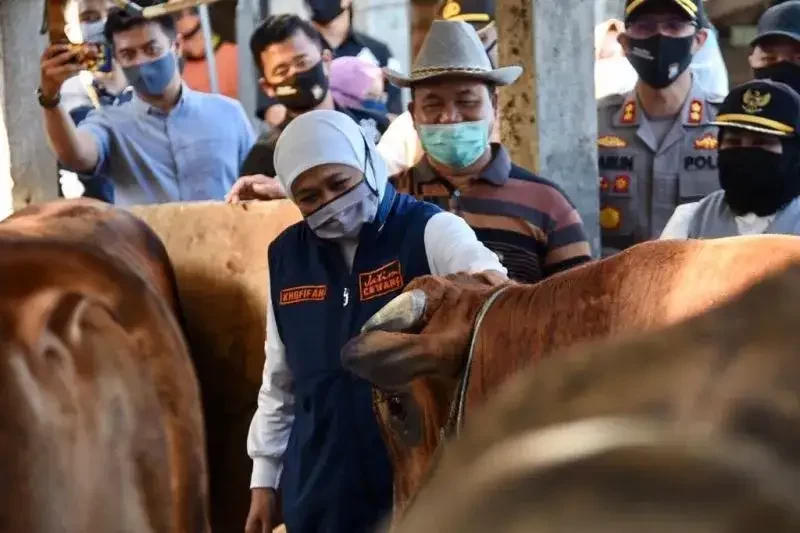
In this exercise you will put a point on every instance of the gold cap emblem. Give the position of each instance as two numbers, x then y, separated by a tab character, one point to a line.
753	101
451	9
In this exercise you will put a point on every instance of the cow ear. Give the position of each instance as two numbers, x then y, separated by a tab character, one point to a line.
390	361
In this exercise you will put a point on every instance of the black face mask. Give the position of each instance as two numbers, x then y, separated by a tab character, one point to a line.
324	11
758	181
784	72
659	60
305	90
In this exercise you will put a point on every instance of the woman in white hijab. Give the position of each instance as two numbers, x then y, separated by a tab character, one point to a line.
361	242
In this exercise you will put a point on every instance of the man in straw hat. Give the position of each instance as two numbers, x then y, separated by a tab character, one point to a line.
399	146
656	144
526	220
759	168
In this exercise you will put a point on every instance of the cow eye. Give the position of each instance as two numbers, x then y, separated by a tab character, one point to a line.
396	408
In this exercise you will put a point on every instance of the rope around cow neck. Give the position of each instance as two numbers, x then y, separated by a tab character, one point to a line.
455	419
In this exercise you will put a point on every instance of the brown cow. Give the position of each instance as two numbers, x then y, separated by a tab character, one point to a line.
732	373
650	285
100	416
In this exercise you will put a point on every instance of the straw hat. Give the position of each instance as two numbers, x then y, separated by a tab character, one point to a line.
453	48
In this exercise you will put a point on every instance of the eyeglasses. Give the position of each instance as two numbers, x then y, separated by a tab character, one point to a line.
671	27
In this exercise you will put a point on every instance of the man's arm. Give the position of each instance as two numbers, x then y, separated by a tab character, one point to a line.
678	225
75	149
567	243
452	246
272	422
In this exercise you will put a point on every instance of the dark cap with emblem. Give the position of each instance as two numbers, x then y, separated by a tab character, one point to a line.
782	20
763	106
476	12
693	9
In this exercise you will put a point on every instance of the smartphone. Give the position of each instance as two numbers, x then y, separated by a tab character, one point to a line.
95	57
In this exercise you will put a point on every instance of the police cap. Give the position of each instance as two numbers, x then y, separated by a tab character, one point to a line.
782	20
692	8
763	106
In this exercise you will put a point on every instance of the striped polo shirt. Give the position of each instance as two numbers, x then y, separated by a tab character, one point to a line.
526	220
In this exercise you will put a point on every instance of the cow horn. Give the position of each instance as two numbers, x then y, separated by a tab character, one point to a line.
401	314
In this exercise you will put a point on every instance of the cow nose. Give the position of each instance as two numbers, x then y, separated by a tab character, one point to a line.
401	314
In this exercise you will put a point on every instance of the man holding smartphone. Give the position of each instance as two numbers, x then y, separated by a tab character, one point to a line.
168	143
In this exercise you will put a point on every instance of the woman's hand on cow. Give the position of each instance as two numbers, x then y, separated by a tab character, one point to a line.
255	187
58	63
263	511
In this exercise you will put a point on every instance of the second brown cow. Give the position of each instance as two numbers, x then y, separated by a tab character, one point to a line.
414	350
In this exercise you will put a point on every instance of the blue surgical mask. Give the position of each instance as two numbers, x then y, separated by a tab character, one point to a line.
344	217
152	78
455	145
92	32
378	106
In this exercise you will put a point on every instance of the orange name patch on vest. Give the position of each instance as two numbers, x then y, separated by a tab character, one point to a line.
382	281
306	293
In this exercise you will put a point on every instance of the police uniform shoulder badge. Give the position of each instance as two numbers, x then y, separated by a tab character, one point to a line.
696	112
611	141
628	113
706	142
754	102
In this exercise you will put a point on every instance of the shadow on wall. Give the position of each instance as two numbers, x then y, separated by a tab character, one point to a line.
219	253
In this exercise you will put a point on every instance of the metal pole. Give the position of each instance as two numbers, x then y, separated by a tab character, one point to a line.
247	12
205	22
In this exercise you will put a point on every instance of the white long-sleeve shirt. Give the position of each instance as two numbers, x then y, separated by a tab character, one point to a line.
450	245
678	225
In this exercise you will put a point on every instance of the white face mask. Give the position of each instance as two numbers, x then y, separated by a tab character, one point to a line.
92	32
344	217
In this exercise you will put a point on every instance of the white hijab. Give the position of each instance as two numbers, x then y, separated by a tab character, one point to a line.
324	137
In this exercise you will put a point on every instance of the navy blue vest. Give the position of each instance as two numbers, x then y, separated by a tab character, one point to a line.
337	477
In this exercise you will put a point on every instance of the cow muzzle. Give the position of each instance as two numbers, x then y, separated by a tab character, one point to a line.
404	313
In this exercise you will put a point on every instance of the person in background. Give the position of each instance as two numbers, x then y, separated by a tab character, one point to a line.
88	91
195	67
314	433
358	84
295	71
168	143
333	19
776	47
759	168
614	74
526	220
400	146
656	144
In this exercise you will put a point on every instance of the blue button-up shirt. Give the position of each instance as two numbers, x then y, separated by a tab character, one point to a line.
192	153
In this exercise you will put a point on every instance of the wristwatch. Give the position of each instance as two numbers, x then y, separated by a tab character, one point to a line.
48	103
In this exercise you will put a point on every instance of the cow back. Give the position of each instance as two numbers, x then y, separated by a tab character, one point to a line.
219	252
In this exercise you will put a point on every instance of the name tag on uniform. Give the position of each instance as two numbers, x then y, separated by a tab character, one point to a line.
616	162
382	281
305	293
700	162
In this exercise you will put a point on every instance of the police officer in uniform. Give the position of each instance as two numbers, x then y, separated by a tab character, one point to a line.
776	46
657	145
759	168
